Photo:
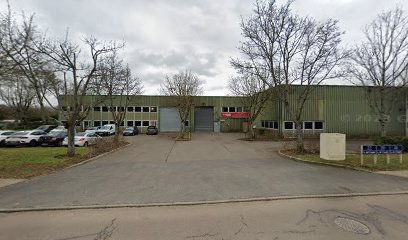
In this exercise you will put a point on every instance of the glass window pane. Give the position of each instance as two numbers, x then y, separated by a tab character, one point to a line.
308	125
130	123
239	109
225	109
231	109
319	125
138	123
138	109
145	123
145	109
288	125
153	109
130	109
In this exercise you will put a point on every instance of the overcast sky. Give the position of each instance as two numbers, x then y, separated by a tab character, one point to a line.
165	36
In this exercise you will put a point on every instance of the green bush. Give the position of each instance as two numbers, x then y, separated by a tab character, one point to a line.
393	141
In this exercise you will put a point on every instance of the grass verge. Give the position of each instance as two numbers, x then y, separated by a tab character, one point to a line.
30	162
353	161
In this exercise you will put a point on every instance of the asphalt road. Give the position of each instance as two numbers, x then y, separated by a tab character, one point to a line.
364	218
155	169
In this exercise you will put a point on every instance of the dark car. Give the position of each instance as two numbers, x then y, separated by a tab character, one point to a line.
46	128
152	130
53	139
130	131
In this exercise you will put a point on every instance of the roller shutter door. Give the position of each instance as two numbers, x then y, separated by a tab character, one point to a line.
203	119
169	120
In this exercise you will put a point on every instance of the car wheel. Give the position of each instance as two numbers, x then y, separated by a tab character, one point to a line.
85	144
3	143
33	143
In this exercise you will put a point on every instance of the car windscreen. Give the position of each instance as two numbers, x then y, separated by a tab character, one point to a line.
129	129
7	133
92	128
56	133
151	127
80	134
20	133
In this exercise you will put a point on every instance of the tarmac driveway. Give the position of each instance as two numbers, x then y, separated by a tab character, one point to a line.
156	169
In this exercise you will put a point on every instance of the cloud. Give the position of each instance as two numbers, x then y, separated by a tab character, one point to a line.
163	37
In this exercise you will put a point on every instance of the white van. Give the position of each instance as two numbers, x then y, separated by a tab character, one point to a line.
107	130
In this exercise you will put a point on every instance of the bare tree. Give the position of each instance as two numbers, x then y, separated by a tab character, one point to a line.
256	94
380	63
18	41
116	83
183	86
17	93
293	50
77	72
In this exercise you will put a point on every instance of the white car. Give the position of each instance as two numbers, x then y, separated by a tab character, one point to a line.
59	129
83	139
4	135
92	130
29	138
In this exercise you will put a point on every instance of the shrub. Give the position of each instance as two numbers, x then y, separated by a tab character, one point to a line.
393	141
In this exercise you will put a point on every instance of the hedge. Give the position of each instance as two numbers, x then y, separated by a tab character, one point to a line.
393	141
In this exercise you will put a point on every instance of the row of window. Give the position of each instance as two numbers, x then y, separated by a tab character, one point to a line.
234	109
307	125
122	109
128	123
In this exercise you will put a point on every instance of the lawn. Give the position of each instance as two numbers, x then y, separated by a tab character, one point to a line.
353	160
30	162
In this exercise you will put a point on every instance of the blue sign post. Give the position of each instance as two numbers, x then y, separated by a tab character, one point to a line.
381	150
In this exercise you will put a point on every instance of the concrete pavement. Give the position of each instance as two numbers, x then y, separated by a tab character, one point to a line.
155	169
379	217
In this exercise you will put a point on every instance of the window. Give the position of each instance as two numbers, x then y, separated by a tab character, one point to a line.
269	124
138	109
308	125
97	123
130	123
105	122
130	109
186	123
111	122
97	109
239	109
231	109
104	109
138	123
145	123
153	109
288	125
145	109
225	109
318	125
120	109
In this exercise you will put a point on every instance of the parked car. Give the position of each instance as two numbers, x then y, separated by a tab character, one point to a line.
152	130
3	136
59	129
92	130
130	131
29	138
83	139
107	130
46	128
53	138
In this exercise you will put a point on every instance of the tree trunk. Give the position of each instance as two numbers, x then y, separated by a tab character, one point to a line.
117	132
71	139
300	148
251	129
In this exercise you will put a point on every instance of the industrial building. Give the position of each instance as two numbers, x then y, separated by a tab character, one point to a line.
339	109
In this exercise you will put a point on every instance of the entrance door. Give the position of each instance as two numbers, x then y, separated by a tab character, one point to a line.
203	119
169	120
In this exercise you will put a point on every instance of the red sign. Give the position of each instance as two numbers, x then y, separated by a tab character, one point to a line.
234	114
